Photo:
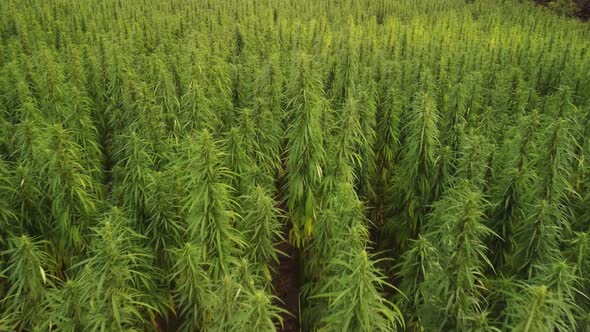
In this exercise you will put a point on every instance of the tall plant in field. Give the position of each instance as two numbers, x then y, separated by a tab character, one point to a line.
547	304
550	215
208	205
453	298
355	302
305	151
368	123
387	151
509	192
135	157
27	269
118	278
71	191
346	285
6	213
342	156
417	172
269	115
194	290
262	229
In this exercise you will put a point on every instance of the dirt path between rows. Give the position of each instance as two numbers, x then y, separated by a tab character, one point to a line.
286	285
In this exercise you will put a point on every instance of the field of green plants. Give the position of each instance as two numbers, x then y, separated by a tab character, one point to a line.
333	165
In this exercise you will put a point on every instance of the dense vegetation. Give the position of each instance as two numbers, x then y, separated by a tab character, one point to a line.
577	8
427	160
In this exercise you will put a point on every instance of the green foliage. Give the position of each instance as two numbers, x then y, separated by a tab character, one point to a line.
194	288
563	7
208	204
6	213
548	306
357	165
257	313
27	270
355	303
117	279
347	292
262	229
453	284
306	153
417	171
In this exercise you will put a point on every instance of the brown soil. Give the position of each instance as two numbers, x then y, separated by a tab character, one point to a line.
286	285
